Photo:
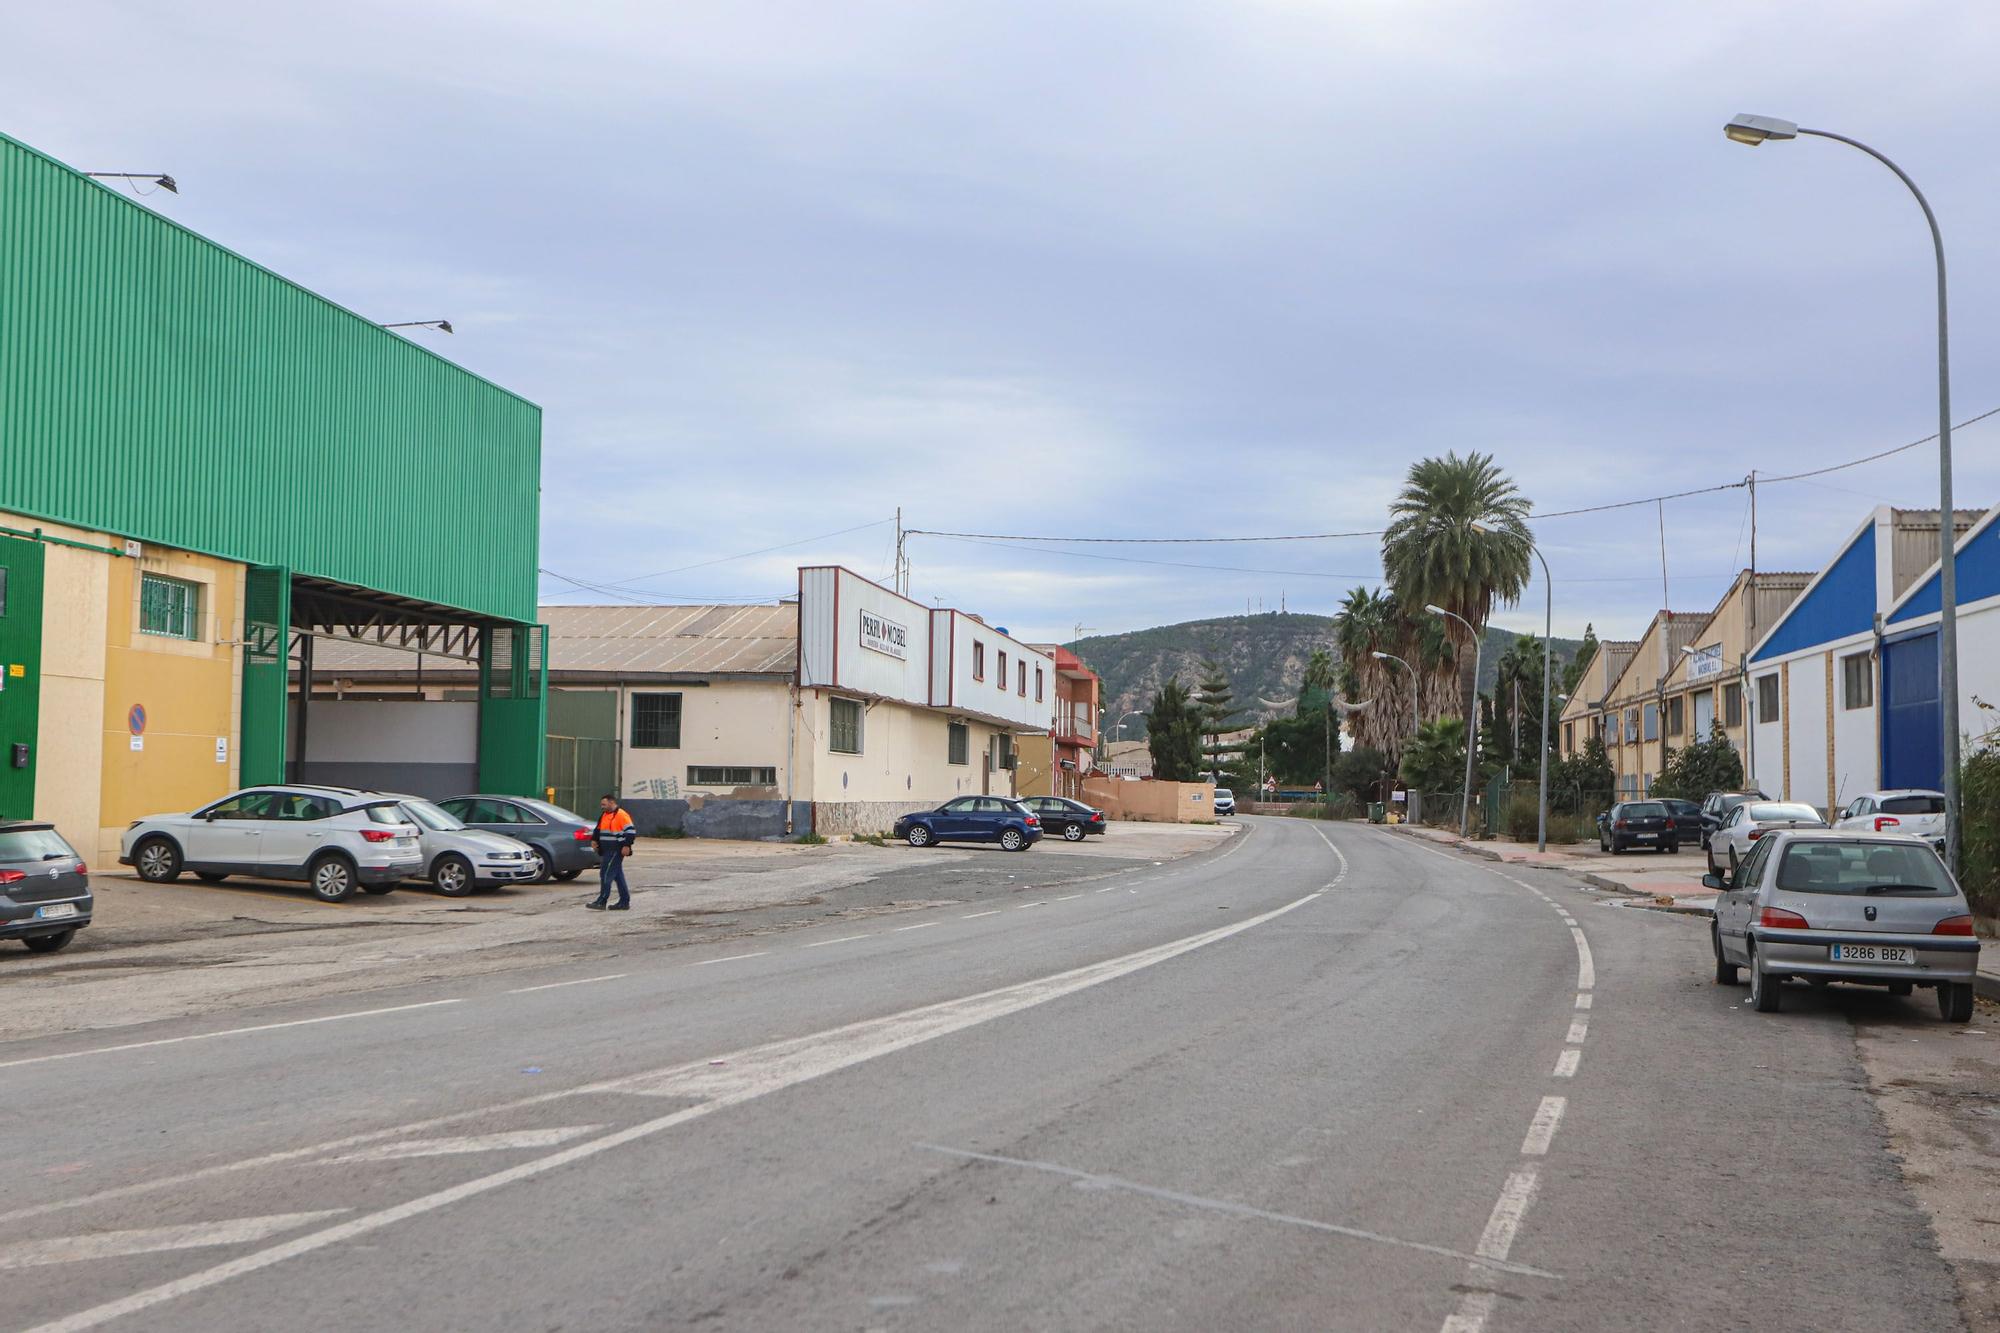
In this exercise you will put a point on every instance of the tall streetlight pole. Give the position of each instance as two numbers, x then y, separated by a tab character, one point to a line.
1471	718
1548	651
1754	130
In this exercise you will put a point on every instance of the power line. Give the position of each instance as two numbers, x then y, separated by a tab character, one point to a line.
1377	532
619	594
634	581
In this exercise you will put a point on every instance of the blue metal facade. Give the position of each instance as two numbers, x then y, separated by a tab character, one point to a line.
1840	605
1978	569
1912	726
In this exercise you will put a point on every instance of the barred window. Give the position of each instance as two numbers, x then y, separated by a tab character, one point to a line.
1767	698
956	750
656	721
844	735
169	608
724	775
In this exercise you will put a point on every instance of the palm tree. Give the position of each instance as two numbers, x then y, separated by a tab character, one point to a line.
1435	556
1436	756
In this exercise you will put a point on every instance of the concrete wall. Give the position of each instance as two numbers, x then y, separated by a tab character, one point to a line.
703	817
423	749
1152	802
69	761
190	689
734	724
903	760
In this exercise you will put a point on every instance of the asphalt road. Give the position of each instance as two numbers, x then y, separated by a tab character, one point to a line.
1324	1077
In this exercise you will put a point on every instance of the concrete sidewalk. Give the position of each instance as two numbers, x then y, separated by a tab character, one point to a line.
1658	883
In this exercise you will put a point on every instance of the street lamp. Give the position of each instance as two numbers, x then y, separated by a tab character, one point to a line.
1471	718
436	325
160	179
1754	130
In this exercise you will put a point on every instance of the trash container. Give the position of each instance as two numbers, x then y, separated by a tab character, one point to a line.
1376	812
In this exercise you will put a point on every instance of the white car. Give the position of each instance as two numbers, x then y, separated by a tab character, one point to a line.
1731	844
334	838
1912	811
458	860
1225	801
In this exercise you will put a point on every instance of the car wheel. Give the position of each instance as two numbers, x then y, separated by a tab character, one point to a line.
567	875
1900	988
544	866
210	876
919	836
51	943
1072	833
157	860
1955	1001
1763	988
1725	971
333	879
1616	848
452	875
1011	840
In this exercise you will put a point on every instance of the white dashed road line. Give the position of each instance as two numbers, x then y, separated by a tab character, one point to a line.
1567	1062
733	958
844	939
227	1032
921	925
557	985
1542	1130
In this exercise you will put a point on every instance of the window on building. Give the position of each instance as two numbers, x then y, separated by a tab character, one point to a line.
1038	677
1569	738
170	608
726	775
1652	722
1021	679
1000	676
656	721
1676	715
956	750
844	735
1857	681
1732	705
1003	750
978	660
1767	698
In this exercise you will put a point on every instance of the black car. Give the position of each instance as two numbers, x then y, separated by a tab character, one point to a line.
1642	824
44	887
1686	816
1715	808
560	839
1072	820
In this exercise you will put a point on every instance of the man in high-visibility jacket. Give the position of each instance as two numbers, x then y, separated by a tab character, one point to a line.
613	837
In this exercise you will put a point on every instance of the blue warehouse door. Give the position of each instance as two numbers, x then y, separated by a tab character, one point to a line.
1912	743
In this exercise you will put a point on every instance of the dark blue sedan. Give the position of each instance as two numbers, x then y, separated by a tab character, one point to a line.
998	819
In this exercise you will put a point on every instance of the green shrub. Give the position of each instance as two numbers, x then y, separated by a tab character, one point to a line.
811	839
1979	828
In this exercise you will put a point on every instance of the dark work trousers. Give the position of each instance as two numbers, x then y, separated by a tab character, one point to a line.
610	871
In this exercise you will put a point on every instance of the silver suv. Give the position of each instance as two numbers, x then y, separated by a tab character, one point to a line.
334	838
1824	905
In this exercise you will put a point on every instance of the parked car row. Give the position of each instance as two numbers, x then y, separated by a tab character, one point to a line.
1015	824
339	840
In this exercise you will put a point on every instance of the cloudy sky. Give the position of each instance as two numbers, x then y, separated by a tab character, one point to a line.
1108	270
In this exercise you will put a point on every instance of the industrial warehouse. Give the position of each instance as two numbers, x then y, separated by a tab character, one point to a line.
206	470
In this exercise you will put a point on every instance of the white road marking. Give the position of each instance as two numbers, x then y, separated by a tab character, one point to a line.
744	1076
971	915
1579	1028
1025	906
844	939
1582	1001
921	925
1567	1062
227	1032
733	958
1542	1130
1096	1181
117	1244
555	985
1504	1223
1066	897
512	1140
1113	889
1586	971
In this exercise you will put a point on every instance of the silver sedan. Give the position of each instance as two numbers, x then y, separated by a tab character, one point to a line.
1730	845
458	860
1828	905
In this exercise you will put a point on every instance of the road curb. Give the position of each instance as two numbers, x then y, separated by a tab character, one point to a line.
1987	985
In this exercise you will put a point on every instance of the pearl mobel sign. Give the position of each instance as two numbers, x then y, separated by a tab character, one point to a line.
883	635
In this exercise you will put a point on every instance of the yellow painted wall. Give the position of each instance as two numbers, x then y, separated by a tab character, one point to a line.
67	761
190	691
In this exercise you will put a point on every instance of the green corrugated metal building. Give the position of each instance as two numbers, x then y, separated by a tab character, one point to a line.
157	388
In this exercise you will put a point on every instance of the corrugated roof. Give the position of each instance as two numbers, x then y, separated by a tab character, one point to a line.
629	640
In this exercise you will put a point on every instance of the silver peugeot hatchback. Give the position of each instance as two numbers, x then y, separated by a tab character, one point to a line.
1825	905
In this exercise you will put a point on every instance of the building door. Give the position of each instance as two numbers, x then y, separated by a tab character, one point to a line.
1704	715
1912	743
21	675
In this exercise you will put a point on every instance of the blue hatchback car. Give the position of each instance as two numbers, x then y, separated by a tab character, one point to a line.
1000	819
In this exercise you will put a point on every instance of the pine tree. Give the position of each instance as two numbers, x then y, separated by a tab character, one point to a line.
1218	718
1573	673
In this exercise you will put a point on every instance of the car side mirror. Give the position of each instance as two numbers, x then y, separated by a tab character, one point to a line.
209	818
1713	881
